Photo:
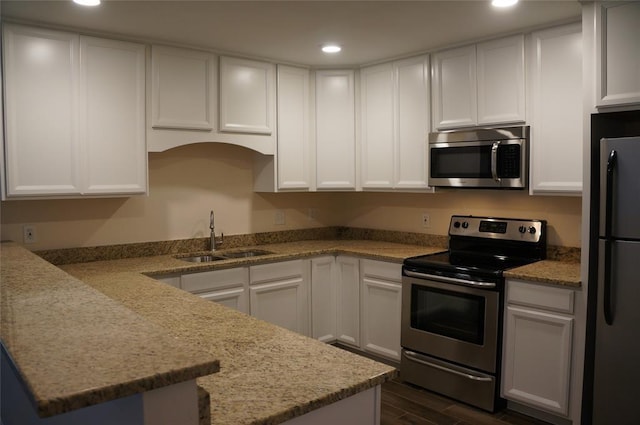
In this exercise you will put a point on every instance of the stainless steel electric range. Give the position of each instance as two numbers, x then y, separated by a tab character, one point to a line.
453	302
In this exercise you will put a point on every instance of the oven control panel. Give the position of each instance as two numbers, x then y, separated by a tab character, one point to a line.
498	228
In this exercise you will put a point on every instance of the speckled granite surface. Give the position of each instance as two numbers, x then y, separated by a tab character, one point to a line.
548	271
149	249
268	374
76	347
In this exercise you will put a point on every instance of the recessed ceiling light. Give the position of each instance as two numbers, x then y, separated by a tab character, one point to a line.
503	3
331	48
87	2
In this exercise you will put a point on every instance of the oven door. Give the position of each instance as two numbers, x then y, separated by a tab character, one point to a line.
456	322
486	164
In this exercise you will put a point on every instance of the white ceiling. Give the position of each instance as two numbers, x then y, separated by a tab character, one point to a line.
292	31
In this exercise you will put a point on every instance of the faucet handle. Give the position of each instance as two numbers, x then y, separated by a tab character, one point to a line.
211	222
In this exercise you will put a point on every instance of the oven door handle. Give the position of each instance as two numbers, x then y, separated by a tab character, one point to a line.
446	279
410	355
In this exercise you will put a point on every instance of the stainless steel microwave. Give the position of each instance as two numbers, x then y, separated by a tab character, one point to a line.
492	158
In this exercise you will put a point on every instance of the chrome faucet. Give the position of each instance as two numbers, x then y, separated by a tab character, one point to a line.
213	233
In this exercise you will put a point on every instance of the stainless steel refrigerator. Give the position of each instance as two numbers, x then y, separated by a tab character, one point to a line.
612	383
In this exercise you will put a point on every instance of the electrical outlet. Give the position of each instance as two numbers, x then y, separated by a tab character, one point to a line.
278	217
426	220
29	233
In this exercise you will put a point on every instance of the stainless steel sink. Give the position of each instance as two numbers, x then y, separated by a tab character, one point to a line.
202	258
246	253
207	258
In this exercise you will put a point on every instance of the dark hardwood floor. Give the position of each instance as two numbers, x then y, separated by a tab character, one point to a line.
404	404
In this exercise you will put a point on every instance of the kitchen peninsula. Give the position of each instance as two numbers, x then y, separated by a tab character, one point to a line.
267	374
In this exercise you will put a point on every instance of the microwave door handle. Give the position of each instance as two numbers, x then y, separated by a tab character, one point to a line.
494	161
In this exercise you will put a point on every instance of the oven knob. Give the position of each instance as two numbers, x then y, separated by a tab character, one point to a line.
456	224
532	230
522	229
465	224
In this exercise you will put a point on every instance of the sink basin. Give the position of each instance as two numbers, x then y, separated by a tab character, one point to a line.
246	253
202	258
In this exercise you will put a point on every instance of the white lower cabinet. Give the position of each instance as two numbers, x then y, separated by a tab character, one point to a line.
381	302
324	287
279	294
538	336
356	302
348	300
368	303
229	287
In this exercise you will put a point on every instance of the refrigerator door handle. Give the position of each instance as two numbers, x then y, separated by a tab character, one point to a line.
607	308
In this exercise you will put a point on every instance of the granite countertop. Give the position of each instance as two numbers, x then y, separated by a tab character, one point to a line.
74	347
561	273
268	374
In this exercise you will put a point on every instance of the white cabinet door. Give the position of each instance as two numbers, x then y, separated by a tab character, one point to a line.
75	114
235	298
335	130
395	124
377	118
170	280
501	85
348	300
41	106
112	116
293	150
537	358
228	286
381	302
454	88
556	103
412	123
247	95
182	89
323	299
279	294
617	53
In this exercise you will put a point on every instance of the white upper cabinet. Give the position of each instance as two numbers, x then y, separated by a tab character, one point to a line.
75	114
555	73
617	53
247	93
290	169
454	88
335	130
395	124
188	93
41	101
377	118
183	87
481	84
413	123
112	116
293	152
501	85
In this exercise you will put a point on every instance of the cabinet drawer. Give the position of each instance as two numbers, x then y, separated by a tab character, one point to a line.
381	270
546	297
276	271
215	279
